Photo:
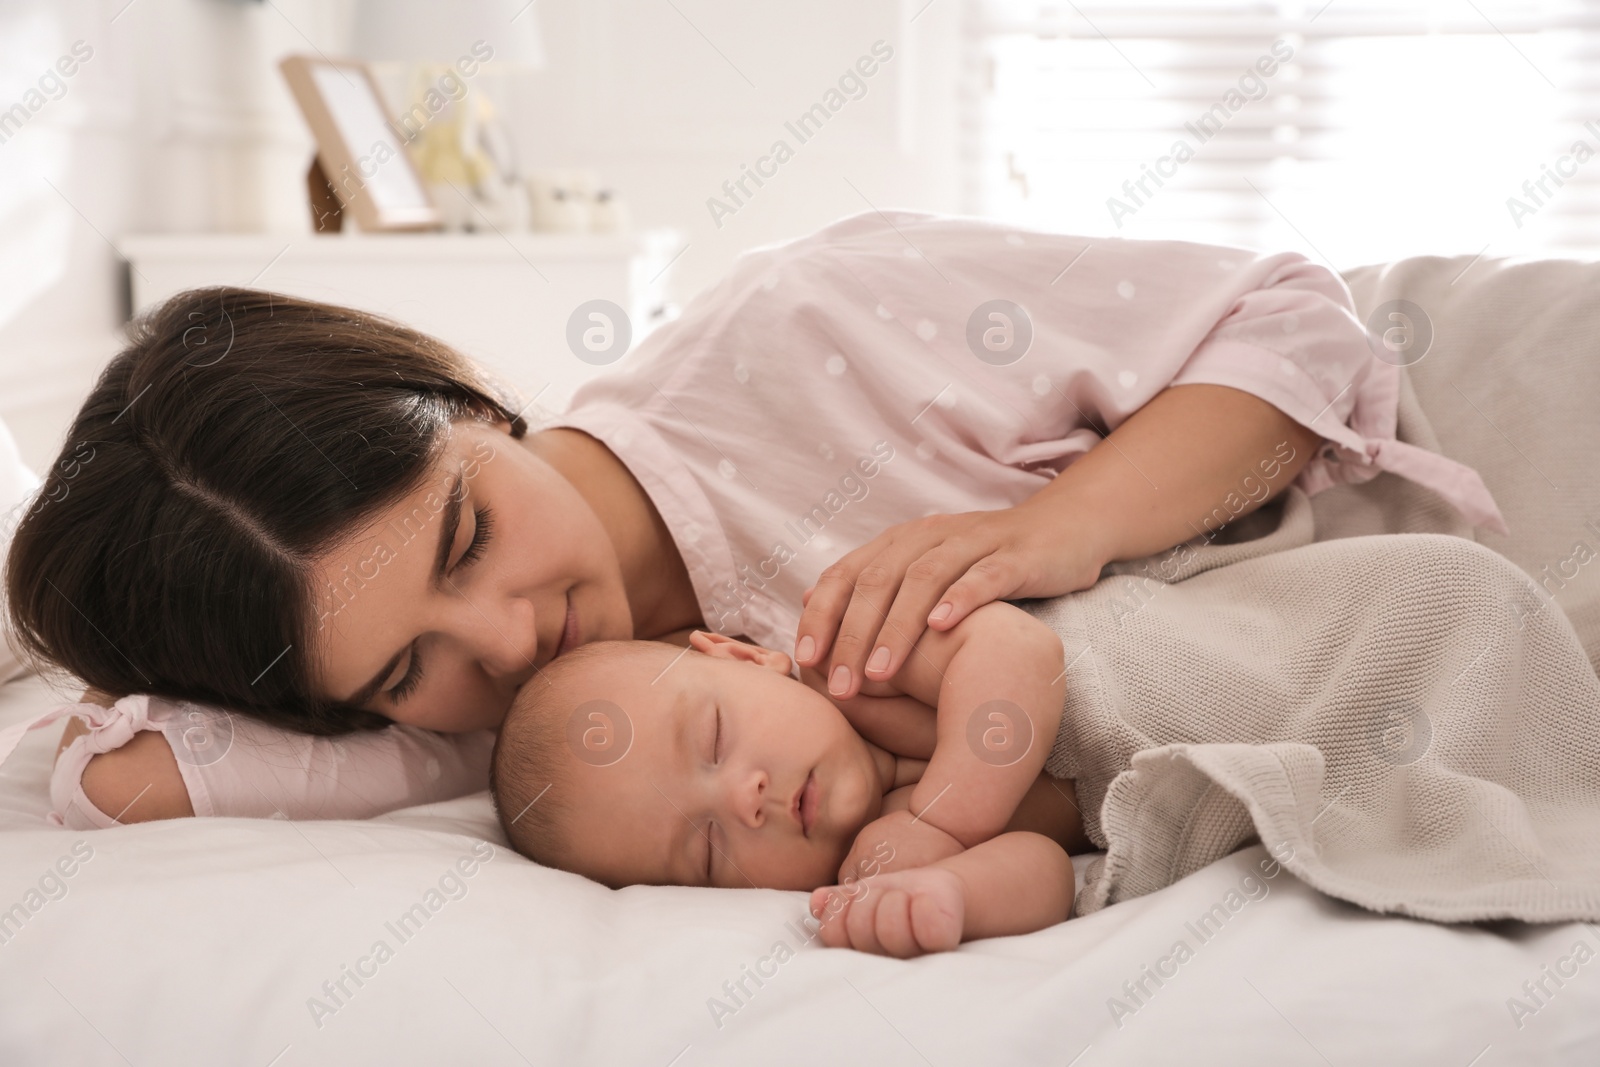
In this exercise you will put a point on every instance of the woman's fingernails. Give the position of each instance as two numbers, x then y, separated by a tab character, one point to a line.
879	661
804	650
942	612
839	681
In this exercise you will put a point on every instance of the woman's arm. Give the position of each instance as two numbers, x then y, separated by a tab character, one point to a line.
140	780
1194	457
1164	475
194	760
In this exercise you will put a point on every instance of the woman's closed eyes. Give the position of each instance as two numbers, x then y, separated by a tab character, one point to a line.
480	539
483	529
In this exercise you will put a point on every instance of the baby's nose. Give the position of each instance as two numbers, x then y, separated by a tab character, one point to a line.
750	796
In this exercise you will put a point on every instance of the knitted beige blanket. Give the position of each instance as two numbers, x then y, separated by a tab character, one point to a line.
1393	716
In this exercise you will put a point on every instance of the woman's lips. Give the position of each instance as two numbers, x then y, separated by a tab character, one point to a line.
571	632
807	802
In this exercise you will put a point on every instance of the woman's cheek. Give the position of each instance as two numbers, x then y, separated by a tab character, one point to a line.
463	701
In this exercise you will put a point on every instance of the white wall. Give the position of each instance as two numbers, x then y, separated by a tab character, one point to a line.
179	122
669	106
176	122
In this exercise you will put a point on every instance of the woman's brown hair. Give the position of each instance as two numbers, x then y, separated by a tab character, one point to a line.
239	435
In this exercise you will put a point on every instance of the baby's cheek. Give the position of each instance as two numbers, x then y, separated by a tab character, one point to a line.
815	867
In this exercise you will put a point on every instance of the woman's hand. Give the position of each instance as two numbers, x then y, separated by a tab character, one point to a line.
873	605
903	914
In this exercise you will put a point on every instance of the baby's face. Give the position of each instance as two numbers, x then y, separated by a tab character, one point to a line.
737	776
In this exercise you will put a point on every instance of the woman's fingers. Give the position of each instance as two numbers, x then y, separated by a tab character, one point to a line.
869	609
925	584
825	604
994	577
875	590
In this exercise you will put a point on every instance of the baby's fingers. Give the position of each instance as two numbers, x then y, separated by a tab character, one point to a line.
894	925
831	906
935	927
862	921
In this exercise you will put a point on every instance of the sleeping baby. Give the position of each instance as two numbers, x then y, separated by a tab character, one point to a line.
638	762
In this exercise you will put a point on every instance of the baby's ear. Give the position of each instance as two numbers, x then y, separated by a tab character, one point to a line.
721	646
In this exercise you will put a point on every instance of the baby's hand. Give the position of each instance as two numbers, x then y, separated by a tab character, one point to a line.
896	842
902	914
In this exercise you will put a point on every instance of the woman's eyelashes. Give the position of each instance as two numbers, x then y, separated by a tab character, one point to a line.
481	533
483	529
408	684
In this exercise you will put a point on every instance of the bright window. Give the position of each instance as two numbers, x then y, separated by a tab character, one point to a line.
1352	131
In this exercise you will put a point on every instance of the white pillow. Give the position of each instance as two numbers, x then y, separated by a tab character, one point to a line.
17	485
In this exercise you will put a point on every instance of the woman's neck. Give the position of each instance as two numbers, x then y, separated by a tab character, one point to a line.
660	594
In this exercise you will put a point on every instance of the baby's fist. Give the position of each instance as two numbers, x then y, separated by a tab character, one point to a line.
896	842
901	914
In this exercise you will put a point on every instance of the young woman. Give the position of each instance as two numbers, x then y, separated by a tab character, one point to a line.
323	553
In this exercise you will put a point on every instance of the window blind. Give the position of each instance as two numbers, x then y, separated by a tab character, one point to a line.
1352	131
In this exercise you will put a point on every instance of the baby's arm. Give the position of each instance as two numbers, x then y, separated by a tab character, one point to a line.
997	682
1015	883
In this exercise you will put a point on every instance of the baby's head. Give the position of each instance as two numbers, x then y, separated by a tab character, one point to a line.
637	762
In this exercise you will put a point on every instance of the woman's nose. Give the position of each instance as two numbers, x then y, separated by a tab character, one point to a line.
506	635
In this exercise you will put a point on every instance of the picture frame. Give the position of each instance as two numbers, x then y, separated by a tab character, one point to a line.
362	166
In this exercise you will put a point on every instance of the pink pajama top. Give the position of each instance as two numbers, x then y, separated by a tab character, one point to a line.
888	366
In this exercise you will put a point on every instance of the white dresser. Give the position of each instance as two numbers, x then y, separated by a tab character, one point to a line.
524	305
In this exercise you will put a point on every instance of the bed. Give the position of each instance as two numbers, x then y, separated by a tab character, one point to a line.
419	937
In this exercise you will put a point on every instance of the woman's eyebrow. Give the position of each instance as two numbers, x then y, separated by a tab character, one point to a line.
441	559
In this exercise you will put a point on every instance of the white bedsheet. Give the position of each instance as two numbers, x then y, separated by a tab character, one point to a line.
205	941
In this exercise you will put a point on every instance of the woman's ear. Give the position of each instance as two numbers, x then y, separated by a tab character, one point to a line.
721	646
